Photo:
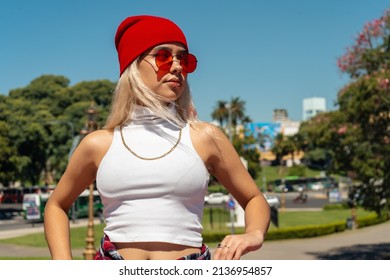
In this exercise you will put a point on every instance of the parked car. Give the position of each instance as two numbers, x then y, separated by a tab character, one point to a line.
284	188
216	198
273	200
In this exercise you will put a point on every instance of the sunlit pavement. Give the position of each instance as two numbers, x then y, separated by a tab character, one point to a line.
367	243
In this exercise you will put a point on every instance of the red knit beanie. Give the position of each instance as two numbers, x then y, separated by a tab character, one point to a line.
137	34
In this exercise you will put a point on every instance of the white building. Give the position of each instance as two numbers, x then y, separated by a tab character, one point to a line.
288	127
312	106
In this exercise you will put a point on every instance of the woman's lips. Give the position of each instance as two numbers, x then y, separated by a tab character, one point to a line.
174	83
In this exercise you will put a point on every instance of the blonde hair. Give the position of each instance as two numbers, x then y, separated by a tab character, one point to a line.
131	90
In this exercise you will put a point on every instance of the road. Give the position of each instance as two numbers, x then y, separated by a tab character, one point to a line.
10	214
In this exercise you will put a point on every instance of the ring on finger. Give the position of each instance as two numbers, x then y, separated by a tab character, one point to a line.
222	246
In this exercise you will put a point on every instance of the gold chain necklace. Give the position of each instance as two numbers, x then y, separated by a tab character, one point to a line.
152	158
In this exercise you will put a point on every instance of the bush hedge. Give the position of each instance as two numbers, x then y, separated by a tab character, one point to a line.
303	231
335	206
372	220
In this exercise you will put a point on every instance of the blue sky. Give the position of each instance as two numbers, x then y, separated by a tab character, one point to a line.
271	54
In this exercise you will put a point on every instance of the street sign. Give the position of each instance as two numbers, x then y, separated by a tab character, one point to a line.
231	204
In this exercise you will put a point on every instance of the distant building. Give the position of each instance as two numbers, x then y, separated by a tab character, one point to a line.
265	132
287	127
280	115
312	106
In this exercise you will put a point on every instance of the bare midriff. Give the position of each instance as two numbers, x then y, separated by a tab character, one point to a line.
153	250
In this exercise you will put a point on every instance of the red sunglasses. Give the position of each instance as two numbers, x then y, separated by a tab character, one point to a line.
164	60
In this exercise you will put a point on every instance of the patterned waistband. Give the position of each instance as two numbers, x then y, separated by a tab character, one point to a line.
108	251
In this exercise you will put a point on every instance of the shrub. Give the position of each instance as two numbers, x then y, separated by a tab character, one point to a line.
305	231
301	231
372	220
335	206
297	170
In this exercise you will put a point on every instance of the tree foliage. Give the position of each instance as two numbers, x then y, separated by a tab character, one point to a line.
38	123
232	111
221	113
228	114
357	135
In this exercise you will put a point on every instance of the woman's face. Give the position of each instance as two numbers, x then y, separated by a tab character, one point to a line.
169	83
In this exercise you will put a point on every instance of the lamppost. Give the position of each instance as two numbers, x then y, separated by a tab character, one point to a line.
90	251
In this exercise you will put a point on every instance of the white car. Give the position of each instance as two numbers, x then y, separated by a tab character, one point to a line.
273	201
216	198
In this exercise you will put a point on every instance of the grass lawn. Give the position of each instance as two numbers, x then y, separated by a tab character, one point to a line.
38	239
293	219
287	219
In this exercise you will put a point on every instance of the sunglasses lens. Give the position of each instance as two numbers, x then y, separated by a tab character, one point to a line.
188	62
164	61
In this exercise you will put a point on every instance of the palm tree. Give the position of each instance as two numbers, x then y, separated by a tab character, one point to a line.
280	148
237	110
221	113
246	120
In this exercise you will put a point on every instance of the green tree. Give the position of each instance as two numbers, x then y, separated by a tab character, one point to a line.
244	144
365	102
237	110
233	112
7	155
37	136
245	120
220	113
280	148
357	135
316	140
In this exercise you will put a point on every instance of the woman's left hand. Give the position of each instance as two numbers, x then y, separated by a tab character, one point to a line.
233	247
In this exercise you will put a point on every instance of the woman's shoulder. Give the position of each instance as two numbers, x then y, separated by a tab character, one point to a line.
100	134
101	138
206	131
202	126
93	147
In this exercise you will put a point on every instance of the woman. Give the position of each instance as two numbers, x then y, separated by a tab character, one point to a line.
152	160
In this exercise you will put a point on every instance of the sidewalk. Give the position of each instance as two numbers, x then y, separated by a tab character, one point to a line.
368	243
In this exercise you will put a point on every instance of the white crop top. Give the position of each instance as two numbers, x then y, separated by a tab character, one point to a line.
152	200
